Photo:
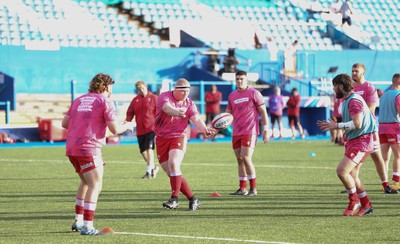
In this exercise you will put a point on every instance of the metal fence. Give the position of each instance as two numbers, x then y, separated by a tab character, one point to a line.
7	105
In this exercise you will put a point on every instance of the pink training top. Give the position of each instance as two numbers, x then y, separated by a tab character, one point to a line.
355	107
243	106
87	126
337	107
390	128
171	127
367	91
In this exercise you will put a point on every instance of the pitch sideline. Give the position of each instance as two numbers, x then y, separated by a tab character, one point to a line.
258	164
197	237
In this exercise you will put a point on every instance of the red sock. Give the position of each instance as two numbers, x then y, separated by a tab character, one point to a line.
385	184
88	215
176	182
79	203
79	209
396	178
253	183
90	208
364	201
354	197
243	184
185	189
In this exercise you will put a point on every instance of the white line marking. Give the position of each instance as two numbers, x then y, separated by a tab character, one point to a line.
196	237
258	164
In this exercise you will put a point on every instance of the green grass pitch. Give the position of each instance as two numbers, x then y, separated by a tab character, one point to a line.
298	201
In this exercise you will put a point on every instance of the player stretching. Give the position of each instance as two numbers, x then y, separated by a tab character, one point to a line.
245	103
87	120
174	109
359	125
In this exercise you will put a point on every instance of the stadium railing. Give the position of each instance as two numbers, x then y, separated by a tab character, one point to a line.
7	105
198	90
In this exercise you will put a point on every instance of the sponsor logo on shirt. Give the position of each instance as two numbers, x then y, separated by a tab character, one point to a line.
85	166
359	92
241	100
86	104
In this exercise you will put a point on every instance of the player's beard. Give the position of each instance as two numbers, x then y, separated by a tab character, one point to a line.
356	78
339	94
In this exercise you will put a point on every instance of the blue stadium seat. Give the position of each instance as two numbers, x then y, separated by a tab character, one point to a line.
287	20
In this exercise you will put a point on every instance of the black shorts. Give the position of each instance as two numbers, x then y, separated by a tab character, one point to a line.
146	141
346	20
275	117
293	120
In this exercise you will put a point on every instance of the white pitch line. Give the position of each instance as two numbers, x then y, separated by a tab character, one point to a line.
258	164
196	237
261	165
34	160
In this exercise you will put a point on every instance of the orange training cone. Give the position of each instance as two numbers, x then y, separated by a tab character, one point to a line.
107	230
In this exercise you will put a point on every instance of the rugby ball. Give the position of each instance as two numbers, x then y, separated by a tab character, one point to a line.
222	121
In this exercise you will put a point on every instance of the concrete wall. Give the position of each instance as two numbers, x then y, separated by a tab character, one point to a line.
52	71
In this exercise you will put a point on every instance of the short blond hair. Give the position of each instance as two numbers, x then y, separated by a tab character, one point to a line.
359	65
182	82
139	83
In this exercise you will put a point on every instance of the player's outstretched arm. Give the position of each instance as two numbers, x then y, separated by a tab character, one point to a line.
327	125
199	123
354	123
117	128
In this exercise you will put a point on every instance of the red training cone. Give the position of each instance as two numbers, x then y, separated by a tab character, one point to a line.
107	230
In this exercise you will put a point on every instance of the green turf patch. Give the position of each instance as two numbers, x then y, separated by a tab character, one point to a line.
298	198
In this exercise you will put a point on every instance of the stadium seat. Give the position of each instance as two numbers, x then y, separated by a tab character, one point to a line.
287	19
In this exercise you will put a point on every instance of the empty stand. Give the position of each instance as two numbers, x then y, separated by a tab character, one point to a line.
275	19
70	24
91	23
375	23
